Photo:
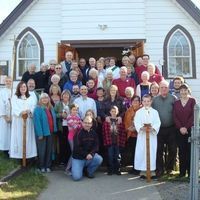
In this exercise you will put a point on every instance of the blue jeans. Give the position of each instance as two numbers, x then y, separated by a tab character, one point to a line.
113	158
91	165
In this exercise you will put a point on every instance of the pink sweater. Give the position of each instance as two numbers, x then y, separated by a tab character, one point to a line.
74	124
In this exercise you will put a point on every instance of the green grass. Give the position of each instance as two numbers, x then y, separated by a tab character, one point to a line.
26	186
7	165
174	178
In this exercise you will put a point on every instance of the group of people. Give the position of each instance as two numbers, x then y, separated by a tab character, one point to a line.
80	114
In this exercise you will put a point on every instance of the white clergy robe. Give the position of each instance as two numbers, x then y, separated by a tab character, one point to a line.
5	110
16	149
146	116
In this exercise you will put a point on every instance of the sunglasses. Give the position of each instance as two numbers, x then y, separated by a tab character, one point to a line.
58	67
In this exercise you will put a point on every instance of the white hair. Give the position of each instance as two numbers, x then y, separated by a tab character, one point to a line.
93	70
146	74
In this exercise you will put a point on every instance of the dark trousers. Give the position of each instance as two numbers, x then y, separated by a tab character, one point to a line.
113	158
184	152
44	147
64	147
166	136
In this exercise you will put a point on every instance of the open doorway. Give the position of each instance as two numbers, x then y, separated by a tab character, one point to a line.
100	48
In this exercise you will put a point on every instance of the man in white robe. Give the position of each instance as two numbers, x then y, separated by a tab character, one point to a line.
5	115
31	90
146	115
20	104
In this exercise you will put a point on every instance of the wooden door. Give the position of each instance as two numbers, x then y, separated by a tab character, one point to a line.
62	49
138	50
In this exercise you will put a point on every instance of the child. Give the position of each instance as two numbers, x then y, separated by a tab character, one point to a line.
146	115
74	125
114	138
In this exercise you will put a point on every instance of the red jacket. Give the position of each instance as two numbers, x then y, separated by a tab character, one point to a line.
107	136
123	84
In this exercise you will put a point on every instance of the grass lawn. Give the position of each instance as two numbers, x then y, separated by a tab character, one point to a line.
7	165
28	185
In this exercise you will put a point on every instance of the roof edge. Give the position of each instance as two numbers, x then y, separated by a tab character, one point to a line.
13	16
191	9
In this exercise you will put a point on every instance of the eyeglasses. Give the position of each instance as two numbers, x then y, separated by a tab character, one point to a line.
58	67
52	64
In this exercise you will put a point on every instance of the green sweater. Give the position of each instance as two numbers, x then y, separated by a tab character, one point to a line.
164	106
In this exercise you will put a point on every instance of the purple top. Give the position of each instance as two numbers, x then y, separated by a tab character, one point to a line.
184	115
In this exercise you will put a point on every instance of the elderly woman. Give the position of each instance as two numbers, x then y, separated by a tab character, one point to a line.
22	105
129	92
107	82
62	111
73	80
93	74
45	125
54	94
183	114
144	86
153	76
54	80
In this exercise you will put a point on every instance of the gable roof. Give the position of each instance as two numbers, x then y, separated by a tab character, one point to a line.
13	16
188	5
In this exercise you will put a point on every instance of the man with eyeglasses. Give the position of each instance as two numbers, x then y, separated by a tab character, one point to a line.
85	151
63	76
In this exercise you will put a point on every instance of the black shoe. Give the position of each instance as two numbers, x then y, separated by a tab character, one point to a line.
109	173
159	174
118	173
143	177
154	178
90	175
134	172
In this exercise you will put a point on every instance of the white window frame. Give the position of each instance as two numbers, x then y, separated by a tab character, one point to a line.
17	54
190	57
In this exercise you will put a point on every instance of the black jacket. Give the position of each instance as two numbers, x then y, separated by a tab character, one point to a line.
85	142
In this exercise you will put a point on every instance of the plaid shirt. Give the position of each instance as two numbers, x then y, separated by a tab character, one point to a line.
107	135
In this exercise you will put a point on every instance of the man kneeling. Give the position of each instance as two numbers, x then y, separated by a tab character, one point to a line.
84	153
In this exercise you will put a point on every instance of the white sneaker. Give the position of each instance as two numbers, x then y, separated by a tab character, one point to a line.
68	173
43	170
48	170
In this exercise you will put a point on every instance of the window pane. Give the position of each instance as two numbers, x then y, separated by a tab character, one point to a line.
179	49
28	52
179	66
28	47
186	67
179	55
172	66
